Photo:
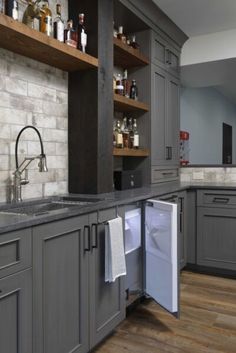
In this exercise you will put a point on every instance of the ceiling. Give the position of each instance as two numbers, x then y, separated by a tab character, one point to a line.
197	17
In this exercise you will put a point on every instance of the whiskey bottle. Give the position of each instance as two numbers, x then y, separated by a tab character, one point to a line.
125	134
134	90
58	25
120	34
136	135
133	42
11	8
70	35
45	24
119	86
82	36
131	133
2	6
126	84
118	135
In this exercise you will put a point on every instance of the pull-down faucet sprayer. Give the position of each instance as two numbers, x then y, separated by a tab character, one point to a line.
18	180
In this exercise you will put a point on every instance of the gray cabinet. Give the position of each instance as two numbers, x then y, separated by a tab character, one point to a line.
191	226
107	300
60	282
165	124
216	224
16	313
165	55
74	309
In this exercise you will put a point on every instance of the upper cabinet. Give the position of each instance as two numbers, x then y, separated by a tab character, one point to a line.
20	39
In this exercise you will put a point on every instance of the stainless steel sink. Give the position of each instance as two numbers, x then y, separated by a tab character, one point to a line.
49	206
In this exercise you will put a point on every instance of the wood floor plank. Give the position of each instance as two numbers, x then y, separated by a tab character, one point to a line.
207	323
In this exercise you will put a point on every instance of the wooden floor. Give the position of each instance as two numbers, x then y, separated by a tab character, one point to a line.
207	323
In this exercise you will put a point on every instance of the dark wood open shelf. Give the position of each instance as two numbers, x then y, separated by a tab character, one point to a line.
123	104
128	152
20	39
126	56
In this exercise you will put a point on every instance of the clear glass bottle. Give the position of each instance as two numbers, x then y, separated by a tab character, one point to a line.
125	134
126	84
131	133
118	135
82	35
45	23
58	25
136	135
15	10
70	35
2	6
133	42
134	90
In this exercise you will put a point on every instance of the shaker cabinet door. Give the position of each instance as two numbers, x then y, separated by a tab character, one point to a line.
162	272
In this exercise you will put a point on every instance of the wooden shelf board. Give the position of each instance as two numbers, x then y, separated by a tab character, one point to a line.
124	104
123	152
126	56
20	39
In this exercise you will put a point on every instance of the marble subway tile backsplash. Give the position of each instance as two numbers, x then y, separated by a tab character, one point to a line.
35	94
221	175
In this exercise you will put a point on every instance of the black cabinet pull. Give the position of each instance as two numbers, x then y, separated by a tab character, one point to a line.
181	222
220	200
167	153
88	238
95	240
170	152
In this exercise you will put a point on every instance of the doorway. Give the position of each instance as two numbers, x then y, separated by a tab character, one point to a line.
227	144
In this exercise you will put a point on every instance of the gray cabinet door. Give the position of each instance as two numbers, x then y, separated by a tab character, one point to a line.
16	313
172	121
216	238
107	301
60	282
158	116
191	227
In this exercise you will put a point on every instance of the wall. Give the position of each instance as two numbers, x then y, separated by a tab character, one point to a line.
36	94
202	112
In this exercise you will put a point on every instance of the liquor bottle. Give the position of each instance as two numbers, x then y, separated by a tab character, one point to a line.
131	133
2	6
45	24
134	90
120	34
126	84
82	36
58	25
118	135
136	135
11	9
133	42
70	35
125	134
119	86
115	32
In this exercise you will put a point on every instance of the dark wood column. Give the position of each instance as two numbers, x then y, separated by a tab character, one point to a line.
91	103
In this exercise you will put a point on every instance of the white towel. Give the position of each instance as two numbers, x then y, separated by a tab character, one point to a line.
114	250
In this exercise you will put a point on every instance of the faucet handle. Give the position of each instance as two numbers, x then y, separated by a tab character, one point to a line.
25	180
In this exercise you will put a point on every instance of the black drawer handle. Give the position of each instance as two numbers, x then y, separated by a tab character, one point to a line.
167	173
87	239
220	200
95	243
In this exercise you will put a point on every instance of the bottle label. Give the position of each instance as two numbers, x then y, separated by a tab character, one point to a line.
48	27
60	31
119	139
136	140
83	39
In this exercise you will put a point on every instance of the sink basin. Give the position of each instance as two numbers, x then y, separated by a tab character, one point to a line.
49	206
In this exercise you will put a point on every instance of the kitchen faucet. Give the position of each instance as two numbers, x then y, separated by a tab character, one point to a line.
18	181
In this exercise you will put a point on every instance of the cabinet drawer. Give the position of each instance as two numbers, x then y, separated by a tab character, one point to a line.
162	175
15	252
215	198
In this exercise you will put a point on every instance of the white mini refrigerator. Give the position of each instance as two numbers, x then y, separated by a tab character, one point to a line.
160	275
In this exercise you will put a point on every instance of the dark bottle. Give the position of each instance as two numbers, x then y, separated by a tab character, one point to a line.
11	9
133	42
131	133
126	84
125	133
134	90
82	36
70	35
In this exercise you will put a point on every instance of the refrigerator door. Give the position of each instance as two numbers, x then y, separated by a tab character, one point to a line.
161	270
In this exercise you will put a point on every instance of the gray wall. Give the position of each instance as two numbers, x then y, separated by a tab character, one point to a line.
202	112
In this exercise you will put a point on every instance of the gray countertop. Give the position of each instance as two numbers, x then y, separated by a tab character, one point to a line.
10	222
